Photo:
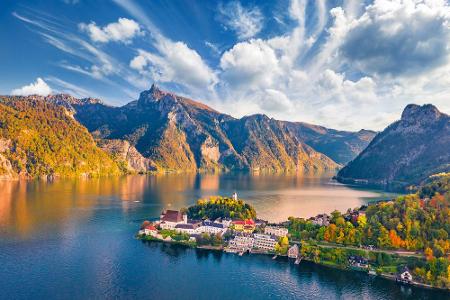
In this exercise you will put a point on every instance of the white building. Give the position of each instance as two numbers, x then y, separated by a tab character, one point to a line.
276	231
293	251
404	275
211	228
241	243
321	220
150	230
234	196
188	228
264	241
171	218
226	222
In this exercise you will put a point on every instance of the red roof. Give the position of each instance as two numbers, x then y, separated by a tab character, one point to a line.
172	216
249	222
150	227
239	222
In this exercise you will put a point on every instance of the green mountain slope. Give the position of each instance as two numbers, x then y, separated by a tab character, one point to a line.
41	139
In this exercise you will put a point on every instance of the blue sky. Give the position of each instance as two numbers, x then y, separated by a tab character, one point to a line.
343	64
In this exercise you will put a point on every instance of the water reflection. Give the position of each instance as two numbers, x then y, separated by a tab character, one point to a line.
25	207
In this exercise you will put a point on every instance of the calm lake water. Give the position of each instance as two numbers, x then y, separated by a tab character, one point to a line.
73	239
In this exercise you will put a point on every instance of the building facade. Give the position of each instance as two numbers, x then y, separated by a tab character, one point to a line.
276	231
264	242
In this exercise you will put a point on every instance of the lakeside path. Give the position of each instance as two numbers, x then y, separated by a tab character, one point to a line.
398	252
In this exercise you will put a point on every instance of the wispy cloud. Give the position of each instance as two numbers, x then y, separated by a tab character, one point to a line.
246	22
99	64
173	60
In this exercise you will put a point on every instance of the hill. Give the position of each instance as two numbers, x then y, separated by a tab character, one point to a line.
406	152
220	207
41	139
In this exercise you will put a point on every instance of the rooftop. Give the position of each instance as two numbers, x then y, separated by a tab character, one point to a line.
172	216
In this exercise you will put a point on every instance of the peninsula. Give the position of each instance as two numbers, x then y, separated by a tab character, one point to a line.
404	239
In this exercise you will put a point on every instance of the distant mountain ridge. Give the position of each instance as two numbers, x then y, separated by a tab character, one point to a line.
406	152
178	133
160	131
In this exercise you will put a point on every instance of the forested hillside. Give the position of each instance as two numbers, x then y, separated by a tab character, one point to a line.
41	139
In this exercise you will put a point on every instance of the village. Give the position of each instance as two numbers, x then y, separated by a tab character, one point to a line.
247	236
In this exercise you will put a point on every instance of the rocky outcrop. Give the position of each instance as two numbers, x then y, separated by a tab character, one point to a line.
127	156
6	170
406	152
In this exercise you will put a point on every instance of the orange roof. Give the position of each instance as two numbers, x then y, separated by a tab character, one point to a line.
239	222
150	227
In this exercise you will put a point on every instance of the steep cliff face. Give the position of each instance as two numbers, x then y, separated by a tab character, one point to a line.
127	156
181	134
406	152
264	143
41	139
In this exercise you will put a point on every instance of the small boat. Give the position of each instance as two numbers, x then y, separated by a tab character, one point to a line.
298	260
372	272
241	253
275	257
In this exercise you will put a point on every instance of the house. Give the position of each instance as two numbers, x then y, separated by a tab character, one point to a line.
189	228
293	251
321	220
264	242
238	225
404	275
211	228
357	261
276	231
226	222
241	243
170	218
150	230
249	226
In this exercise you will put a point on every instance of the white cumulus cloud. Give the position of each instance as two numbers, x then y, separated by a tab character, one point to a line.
399	37
39	87
124	30
176	62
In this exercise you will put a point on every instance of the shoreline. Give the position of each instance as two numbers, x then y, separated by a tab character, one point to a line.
330	265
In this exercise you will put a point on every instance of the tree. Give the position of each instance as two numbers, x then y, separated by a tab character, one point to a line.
362	221
428	253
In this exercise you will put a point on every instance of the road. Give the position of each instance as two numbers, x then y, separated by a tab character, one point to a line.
398	252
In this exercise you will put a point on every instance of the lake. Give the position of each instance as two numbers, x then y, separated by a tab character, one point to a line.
74	239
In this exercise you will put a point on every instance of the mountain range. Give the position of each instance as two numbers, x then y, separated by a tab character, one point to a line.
60	135
162	132
407	152
177	133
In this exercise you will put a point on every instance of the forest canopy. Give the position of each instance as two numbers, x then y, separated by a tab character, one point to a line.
220	207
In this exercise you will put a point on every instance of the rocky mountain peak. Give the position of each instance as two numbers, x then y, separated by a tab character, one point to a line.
154	94
426	112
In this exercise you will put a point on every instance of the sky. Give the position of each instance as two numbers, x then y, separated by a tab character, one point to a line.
342	64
